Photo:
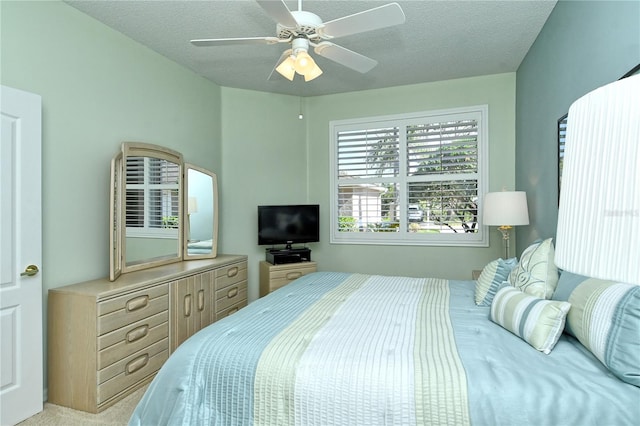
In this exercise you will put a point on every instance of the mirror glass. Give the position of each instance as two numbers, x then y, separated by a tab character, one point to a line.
151	207
201	221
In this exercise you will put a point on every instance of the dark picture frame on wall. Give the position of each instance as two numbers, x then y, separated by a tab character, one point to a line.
562	132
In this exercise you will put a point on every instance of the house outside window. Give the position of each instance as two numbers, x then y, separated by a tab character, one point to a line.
411	179
152	197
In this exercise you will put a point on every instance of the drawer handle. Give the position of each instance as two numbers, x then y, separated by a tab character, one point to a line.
187	305
136	364
137	333
294	275
232	293
233	311
201	300
137	303
232	272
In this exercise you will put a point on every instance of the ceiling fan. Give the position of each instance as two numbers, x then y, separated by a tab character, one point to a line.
302	29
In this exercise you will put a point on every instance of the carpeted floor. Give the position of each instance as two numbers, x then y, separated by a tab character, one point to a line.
55	415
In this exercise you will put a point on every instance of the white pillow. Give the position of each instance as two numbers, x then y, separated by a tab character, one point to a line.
536	273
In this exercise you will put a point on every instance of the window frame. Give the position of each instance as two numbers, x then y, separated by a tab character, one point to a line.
402	236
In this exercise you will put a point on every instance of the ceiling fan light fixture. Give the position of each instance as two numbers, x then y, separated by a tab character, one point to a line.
304	29
287	68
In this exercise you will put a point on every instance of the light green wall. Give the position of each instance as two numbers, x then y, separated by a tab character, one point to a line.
98	89
264	159
583	45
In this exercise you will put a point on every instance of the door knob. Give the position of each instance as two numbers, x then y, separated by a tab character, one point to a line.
30	271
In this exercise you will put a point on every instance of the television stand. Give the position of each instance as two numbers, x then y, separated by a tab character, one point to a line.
288	255
272	277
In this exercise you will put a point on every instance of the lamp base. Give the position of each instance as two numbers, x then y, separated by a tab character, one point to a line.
504	230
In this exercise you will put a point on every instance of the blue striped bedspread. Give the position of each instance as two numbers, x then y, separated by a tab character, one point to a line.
352	349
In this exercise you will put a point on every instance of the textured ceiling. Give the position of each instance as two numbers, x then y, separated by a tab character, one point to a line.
440	40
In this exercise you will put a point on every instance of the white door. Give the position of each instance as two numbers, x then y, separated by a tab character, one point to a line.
21	377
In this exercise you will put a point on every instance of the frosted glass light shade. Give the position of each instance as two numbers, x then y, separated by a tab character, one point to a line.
303	62
506	208
598	231
314	73
286	68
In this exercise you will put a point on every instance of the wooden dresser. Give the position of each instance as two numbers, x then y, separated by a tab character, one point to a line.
272	277
107	339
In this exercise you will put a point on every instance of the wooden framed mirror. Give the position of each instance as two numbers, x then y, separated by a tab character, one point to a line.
115	209
201	218
161	209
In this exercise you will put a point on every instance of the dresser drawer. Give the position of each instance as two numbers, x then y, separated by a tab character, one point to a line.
230	310
231	274
231	295
124	310
127	340
131	370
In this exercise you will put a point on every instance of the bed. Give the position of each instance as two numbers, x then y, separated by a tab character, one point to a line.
200	247
352	349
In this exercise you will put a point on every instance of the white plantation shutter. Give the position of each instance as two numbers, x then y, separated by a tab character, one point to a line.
364	157
135	192
152	196
443	148
369	153
412	179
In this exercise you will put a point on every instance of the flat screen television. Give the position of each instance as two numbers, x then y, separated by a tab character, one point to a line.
288	224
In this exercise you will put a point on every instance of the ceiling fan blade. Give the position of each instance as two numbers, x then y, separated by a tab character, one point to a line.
284	56
372	19
234	41
345	57
279	12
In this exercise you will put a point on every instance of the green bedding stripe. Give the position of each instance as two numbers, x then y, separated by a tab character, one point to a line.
275	374
440	381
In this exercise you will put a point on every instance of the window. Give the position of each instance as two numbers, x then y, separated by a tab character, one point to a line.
152	197
409	179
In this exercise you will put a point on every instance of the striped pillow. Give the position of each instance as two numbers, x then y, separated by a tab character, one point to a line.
605	318
536	272
492	277
538	322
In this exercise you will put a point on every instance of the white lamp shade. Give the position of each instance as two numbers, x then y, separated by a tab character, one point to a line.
506	208
192	206
598	231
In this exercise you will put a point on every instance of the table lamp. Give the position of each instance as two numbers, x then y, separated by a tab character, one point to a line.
505	210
